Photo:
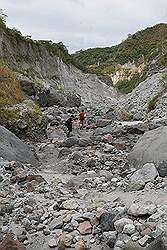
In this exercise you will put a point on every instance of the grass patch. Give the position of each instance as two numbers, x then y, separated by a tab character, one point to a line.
10	94
7	116
164	80
10	90
153	102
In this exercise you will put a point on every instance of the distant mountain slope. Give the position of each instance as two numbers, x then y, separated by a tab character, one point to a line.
131	61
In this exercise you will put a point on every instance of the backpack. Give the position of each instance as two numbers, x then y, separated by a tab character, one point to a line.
82	115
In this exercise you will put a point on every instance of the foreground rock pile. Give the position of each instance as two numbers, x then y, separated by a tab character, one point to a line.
86	194
32	209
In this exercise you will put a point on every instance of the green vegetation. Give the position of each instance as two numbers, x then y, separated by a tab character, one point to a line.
153	102
89	59
15	110
10	91
61	88
146	46
7	115
164	80
2	19
10	94
24	119
126	86
58	49
143	45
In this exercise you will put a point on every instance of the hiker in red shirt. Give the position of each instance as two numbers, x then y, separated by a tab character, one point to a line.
82	116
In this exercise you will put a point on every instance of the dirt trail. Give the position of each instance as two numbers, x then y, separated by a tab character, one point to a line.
53	169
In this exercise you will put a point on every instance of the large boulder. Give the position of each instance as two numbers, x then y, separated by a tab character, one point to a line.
60	98
134	127
70	142
103	131
13	149
152	148
27	85
147	173
103	122
107	221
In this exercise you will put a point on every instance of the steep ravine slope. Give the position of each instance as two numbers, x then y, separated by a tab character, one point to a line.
43	73
148	99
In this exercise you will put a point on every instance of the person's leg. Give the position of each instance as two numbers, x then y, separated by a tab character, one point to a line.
68	132
81	124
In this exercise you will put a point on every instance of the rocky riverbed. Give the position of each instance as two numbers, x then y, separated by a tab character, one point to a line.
85	193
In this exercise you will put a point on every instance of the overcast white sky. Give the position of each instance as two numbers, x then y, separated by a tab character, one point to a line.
82	24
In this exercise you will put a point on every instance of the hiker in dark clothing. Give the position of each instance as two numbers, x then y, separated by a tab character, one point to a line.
68	124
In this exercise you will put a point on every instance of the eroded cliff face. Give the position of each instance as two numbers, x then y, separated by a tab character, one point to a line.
126	72
44	74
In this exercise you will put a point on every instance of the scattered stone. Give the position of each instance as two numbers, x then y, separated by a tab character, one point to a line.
157	244
119	224
107	221
63	213
84	142
129	229
56	223
69	142
81	245
65	240
146	174
137	210
52	243
110	238
85	228
69	205
162	168
91	162
135	186
64	152
35	177
108	138
143	241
